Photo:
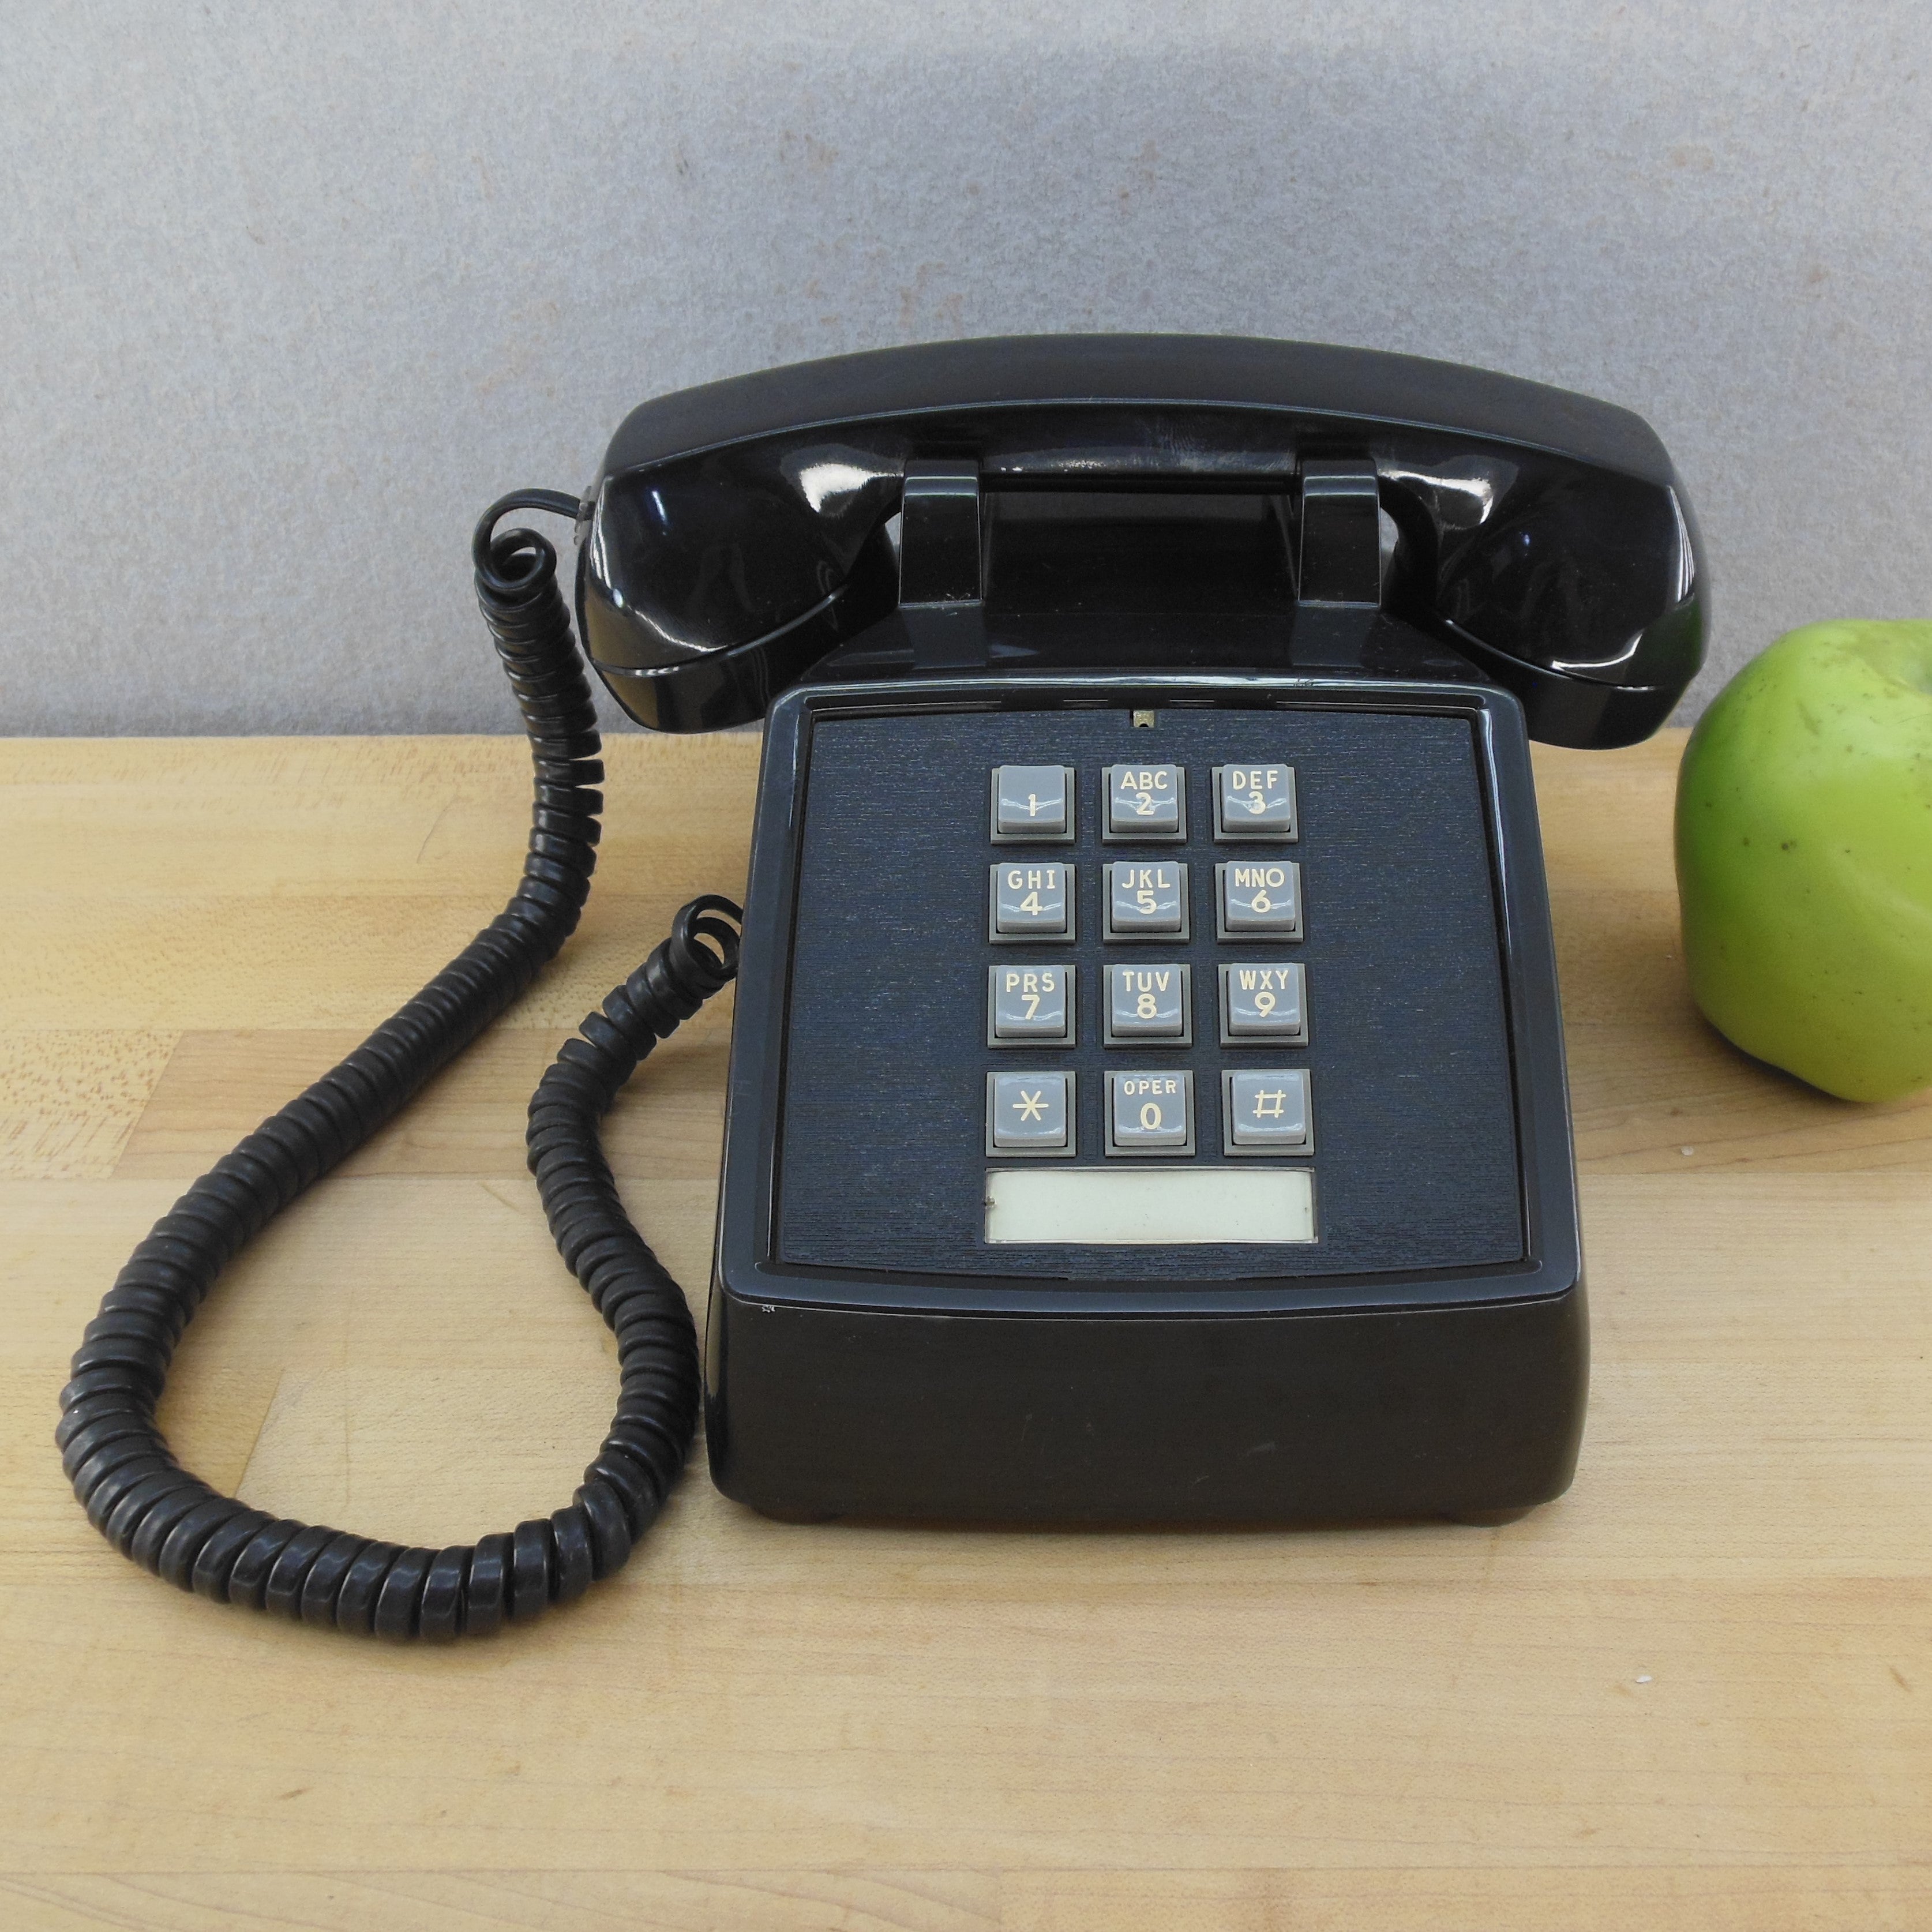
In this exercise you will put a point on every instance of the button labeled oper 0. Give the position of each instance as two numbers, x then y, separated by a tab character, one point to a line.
1258	898
1029	899
1150	1112
1030	1006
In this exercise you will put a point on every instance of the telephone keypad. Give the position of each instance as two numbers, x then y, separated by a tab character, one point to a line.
1266	1002
1150	1112
1145	801
1032	900
1030	1006
1266	1110
1033	802
1148	1003
1030	1113
1147	900
1254	802
1258	898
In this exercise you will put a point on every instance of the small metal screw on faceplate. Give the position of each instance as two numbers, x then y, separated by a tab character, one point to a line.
1143	721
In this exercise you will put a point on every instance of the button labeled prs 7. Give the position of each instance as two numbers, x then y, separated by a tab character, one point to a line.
1030	1113
1151	1113
1033	802
1146	801
1254	801
1267	1112
1147	902
1032	901
1264	1002
1258	898
1030	1005
1148	1003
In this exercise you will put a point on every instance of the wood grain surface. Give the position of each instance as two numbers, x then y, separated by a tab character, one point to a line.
1696	1692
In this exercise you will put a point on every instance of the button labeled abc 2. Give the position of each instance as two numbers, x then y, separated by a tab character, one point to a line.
1145	801
1150	1112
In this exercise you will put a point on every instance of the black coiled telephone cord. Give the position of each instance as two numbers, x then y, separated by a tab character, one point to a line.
170	1521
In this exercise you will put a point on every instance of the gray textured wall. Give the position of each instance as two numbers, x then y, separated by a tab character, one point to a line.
289	293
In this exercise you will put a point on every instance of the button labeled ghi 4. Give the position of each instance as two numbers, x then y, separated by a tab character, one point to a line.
1030	1006
1030	899
1147	902
1146	801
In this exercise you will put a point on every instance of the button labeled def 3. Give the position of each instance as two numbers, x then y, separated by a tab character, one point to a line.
1254	802
1030	1005
1031	901
1151	1113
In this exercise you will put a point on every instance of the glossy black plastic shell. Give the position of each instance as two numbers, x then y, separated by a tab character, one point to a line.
1378	1395
735	534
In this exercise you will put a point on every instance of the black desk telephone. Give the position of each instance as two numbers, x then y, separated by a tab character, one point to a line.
1146	1100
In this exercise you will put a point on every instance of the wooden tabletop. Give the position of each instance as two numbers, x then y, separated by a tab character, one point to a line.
1696	1692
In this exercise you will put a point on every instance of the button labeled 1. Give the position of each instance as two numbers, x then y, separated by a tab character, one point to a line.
1030	1005
1030	1113
1146	801
1266	1112
1033	802
1258	898
1254	801
1151	1113
1031	901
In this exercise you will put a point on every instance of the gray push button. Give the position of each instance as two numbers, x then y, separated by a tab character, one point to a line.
1151	1113
1148	1003
1258	898
1146	801
1033	802
1032	901
1147	902
1264	1002
1030	1004
1267	1112
1254	801
1030	1113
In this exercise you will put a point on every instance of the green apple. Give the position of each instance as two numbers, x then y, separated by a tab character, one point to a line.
1805	858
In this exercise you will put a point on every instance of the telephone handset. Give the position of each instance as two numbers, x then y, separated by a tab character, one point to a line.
1146	1100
